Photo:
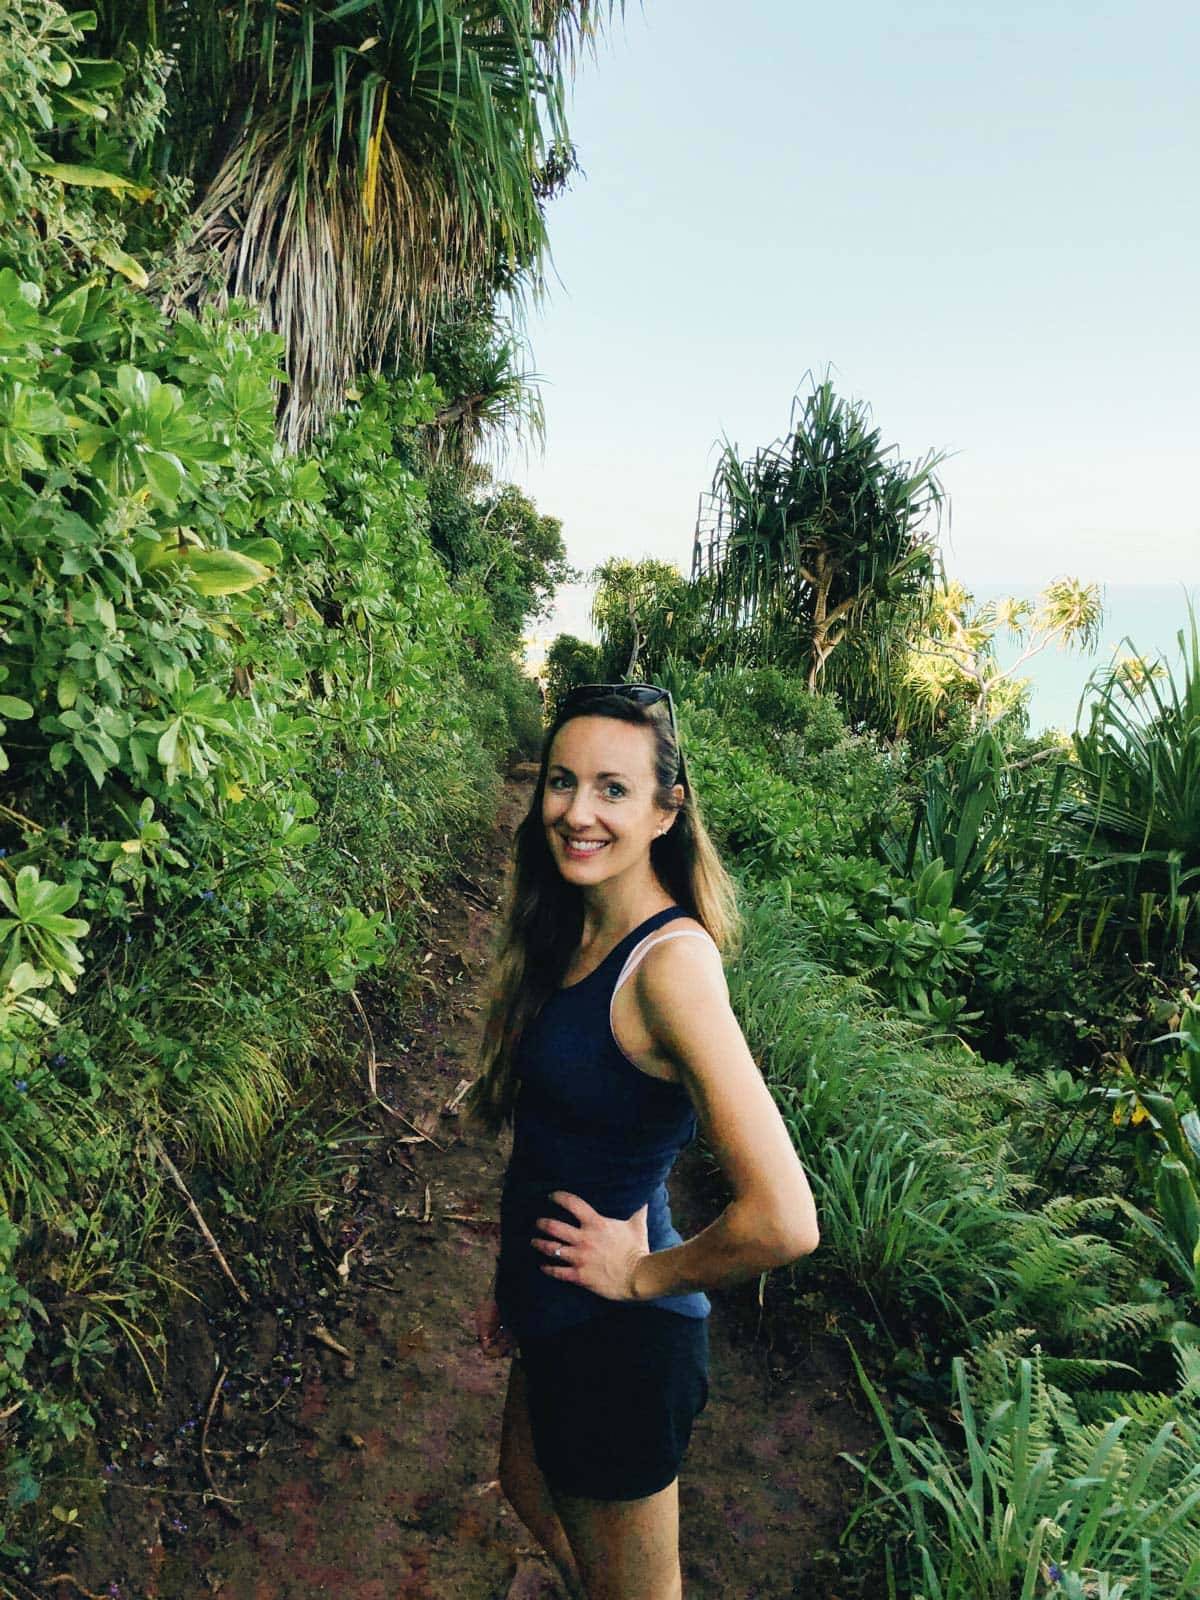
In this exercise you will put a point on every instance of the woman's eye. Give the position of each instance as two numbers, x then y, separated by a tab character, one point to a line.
620	790
557	781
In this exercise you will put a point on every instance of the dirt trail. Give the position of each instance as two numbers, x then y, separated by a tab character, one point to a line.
372	1475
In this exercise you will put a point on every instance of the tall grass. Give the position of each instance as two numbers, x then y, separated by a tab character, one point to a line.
1035	1501
926	1211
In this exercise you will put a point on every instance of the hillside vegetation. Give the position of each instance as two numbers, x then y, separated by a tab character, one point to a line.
261	611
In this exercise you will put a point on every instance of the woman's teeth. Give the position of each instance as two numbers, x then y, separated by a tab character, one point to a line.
586	846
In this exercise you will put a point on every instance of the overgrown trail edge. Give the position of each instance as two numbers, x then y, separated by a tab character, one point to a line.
371	1475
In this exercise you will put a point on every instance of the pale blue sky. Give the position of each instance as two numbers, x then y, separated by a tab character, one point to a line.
983	216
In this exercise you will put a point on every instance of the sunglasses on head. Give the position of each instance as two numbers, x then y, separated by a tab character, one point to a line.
642	694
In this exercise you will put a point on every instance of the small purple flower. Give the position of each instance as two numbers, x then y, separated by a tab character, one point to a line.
109	1469
1055	1572
206	894
58	1060
3	852
114	1590
21	1085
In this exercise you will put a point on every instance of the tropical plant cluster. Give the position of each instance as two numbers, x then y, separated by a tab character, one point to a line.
253	697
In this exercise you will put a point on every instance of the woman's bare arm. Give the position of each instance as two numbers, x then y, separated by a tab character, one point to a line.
771	1219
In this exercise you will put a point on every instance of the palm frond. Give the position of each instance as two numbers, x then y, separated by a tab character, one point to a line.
362	166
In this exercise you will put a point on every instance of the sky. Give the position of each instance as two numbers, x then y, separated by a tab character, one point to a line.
981	219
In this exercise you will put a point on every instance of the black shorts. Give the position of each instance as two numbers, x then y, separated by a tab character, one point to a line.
612	1400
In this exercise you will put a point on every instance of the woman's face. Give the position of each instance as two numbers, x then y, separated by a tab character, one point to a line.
600	792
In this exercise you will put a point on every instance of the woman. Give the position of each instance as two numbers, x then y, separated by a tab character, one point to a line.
607	1041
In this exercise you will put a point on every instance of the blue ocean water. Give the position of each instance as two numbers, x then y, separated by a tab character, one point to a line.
1139	619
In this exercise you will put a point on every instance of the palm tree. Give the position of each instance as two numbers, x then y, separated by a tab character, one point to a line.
361	166
816	534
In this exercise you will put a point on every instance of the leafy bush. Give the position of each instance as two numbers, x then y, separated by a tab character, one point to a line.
926	1211
1046	1503
248	720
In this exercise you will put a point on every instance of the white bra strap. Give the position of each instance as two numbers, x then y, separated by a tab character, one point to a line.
635	956
648	943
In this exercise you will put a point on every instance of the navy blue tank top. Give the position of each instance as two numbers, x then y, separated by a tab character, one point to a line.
586	1120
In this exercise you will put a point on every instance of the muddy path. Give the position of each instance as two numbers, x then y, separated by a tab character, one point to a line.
352	1423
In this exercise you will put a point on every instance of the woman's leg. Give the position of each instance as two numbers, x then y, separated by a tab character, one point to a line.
626	1549
523	1484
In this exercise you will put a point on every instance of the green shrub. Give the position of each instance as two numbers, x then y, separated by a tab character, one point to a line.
247	720
1038	1501
570	661
927	1215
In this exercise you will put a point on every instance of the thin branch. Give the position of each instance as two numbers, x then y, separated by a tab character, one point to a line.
223	1500
161	1155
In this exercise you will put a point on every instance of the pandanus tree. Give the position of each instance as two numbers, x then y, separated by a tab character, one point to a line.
816	536
361	168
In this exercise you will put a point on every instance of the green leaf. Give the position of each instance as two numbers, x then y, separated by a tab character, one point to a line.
164	475
87	108
217	572
268	551
168	742
91	178
120	261
17	710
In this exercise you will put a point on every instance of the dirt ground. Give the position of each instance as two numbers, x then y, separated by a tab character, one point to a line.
352	1423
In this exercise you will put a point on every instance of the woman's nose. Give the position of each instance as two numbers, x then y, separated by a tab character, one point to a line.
581	809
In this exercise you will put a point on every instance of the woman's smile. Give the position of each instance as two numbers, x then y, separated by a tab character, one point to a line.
581	849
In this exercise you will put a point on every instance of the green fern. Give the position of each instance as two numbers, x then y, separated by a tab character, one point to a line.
1040	1502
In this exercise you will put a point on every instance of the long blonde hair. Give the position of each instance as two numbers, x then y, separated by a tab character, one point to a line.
542	920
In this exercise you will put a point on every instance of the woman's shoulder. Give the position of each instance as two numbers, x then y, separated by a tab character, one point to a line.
678	982
666	952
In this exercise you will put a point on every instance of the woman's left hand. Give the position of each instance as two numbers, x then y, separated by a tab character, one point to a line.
599	1253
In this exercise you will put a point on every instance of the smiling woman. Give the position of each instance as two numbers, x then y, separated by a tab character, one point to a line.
590	808
609	1041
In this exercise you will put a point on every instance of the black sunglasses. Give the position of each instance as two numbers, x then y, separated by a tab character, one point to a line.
643	694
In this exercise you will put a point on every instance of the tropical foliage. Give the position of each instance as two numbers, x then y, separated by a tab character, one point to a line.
815	534
360	169
247	699
1138	808
955	658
